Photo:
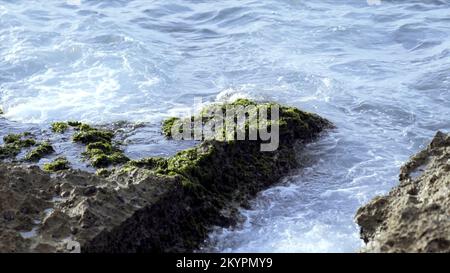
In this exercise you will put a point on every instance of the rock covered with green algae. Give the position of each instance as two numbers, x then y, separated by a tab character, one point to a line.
58	164
292	122
40	151
157	204
99	147
59	127
167	126
14	143
99	144
238	162
415	215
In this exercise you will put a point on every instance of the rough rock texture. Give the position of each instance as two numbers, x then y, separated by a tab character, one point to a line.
415	215
149	205
64	212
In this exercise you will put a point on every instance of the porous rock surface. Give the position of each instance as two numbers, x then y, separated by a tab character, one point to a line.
415	215
150	205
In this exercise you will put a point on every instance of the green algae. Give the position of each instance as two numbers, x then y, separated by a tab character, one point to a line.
39	152
205	183
14	143
223	166
100	159
242	102
194	165
88	135
197	165
74	123
103	172
99	148
104	147
168	124
19	140
11	138
156	164
103	154
240	163
8	151
58	164
59	127
149	163
292	122
1	111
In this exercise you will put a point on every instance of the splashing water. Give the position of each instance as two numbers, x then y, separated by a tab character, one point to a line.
377	69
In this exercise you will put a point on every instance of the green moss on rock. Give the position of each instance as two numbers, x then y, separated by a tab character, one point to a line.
215	173
88	135
150	163
292	122
99	159
200	187
11	138
156	164
167	126
39	152
14	143
239	163
19	140
25	143
8	151
58	164
212	178
117	158
103	147
103	154
59	127
74	123
99	147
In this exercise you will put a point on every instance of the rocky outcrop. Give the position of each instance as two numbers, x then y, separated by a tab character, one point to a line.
415	215
147	205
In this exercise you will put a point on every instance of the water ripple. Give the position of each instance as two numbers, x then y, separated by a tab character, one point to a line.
379	72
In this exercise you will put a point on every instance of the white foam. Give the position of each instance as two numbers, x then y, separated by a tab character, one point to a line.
92	94
102	61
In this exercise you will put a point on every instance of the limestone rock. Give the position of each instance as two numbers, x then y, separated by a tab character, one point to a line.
415	215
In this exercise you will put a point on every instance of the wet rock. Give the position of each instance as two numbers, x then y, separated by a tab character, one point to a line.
58	164
147	205
415	215
59	127
14	143
99	146
39	152
89	191
56	225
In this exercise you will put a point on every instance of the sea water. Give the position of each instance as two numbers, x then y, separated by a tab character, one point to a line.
379	70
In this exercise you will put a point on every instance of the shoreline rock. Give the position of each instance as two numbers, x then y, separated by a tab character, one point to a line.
148	205
415	215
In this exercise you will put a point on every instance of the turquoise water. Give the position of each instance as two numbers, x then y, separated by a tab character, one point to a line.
379	70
